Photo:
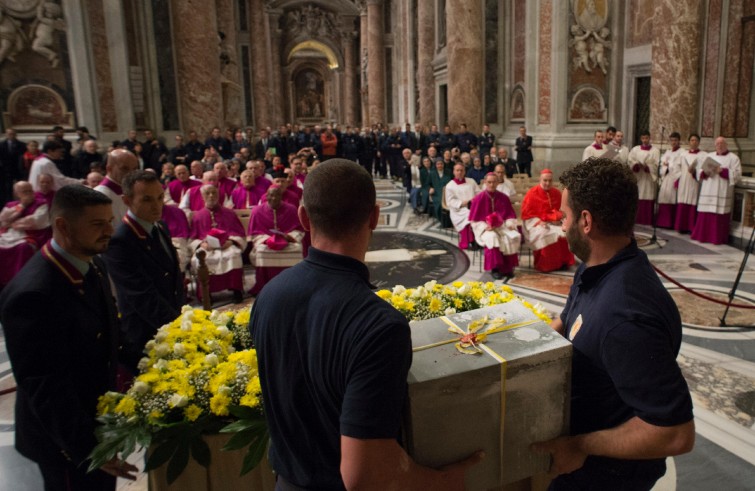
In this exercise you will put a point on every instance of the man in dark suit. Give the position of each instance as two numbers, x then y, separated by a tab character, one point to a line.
260	148
60	326
11	151
523	147
144	266
221	145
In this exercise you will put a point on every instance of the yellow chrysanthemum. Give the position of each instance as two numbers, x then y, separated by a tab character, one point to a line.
435	305
242	318
250	400
219	404
384	294
192	412
126	406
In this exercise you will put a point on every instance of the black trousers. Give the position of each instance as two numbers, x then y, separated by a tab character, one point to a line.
65	476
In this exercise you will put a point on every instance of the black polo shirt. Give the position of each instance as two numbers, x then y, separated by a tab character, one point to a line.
626	332
333	360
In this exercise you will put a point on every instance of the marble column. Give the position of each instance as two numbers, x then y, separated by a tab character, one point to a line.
260	69
465	86
275	68
363	42
674	76
425	51
376	62
350	74
231	83
199	89
101	64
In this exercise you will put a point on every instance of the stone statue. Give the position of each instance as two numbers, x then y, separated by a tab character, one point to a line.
590	36
49	19
12	37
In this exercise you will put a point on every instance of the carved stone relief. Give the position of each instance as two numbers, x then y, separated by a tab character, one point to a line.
312	21
32	24
590	36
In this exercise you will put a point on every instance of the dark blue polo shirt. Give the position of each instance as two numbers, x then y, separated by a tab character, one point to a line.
626	332
333	360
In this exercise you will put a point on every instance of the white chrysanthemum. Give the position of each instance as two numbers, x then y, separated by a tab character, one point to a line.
162	349
430	284
224	390
465	288
186	308
177	400
211	359
143	364
179	349
399	290
140	387
223	330
161	335
186	325
484	301
150	345
450	311
419	292
161	364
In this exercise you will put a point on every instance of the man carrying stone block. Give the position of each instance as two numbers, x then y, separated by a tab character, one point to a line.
630	405
345	347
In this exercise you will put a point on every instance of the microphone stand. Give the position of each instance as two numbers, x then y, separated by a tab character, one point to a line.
654	238
748	251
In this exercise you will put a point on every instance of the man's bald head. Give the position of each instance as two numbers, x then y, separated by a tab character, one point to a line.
210	177
24	192
119	163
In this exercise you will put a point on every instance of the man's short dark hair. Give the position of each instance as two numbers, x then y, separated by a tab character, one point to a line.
695	135
607	189
612	129
56	128
137	176
676	135
51	146
70	201
644	133
339	198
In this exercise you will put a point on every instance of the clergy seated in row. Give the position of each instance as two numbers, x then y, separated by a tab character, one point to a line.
643	160
541	224
24	228
277	235
250	192
671	172
439	179
194	199
459	193
226	185
291	193
505	186
493	222
718	177
178	225
180	186
119	163
297	169
45	188
218	231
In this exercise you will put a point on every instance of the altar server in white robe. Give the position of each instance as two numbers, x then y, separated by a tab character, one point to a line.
623	152
716	194
643	160
596	148
686	196
459	193
671	169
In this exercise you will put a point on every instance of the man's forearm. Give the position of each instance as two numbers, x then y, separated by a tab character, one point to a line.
636	439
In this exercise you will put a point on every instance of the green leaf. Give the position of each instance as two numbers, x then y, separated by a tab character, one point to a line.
242	439
161	454
241	425
200	451
255	453
178	462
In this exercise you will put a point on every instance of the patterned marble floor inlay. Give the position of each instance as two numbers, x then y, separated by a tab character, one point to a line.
700	312
403	258
718	389
545	282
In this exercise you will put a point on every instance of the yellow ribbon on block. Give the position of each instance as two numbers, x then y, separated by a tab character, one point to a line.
472	342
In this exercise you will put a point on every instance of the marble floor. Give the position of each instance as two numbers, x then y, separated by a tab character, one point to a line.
718	362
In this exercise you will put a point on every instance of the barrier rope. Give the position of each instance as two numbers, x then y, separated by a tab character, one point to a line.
7	391
697	294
